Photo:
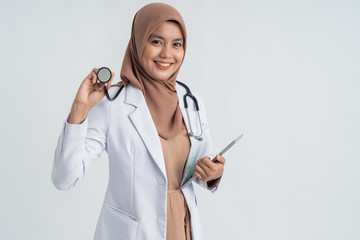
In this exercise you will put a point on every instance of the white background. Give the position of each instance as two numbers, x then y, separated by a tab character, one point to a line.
285	73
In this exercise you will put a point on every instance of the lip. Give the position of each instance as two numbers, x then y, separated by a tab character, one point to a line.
161	66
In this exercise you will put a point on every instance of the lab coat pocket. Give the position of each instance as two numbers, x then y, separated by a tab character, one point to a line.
120	221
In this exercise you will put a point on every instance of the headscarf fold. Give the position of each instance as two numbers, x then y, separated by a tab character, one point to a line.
160	96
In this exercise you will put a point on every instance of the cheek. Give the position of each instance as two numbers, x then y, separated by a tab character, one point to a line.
145	59
149	53
180	56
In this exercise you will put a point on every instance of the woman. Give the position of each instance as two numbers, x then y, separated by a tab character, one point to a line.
145	133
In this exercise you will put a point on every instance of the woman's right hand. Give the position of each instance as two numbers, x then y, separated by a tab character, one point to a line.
89	94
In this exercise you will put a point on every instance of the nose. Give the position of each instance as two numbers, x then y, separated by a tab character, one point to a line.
165	52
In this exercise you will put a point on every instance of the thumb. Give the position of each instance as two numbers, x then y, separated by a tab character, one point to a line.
220	159
109	82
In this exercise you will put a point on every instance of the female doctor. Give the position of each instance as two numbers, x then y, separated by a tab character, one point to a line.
145	132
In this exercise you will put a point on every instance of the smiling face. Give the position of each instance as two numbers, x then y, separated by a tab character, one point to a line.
163	51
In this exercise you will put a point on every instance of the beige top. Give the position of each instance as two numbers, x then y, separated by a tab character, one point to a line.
176	151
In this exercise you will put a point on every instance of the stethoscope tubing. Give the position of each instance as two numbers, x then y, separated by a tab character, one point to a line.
187	95
115	96
190	95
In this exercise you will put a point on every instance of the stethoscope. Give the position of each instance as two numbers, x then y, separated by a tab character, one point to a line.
104	76
189	95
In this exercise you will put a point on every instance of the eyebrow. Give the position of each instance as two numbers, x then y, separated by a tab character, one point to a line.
162	38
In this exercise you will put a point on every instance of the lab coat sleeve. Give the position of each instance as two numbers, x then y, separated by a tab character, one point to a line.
79	146
207	149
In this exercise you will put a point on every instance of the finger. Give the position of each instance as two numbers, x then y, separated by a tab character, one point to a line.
207	173
201	172
205	167
198	176
93	77
220	159
99	86
95	70
208	163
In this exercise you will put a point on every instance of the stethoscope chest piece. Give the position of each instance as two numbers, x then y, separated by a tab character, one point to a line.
104	75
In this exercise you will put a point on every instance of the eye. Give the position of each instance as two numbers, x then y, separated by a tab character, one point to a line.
177	44
156	42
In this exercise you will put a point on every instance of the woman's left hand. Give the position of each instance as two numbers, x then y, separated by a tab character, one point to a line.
206	170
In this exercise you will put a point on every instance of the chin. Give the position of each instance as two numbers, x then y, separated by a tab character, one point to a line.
161	77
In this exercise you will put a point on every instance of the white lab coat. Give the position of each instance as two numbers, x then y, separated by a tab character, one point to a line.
135	202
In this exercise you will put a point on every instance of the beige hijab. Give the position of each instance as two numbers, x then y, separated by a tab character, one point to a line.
160	96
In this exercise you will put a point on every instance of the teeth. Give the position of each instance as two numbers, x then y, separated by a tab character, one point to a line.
163	64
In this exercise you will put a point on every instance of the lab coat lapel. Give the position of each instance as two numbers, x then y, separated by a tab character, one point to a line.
144	124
